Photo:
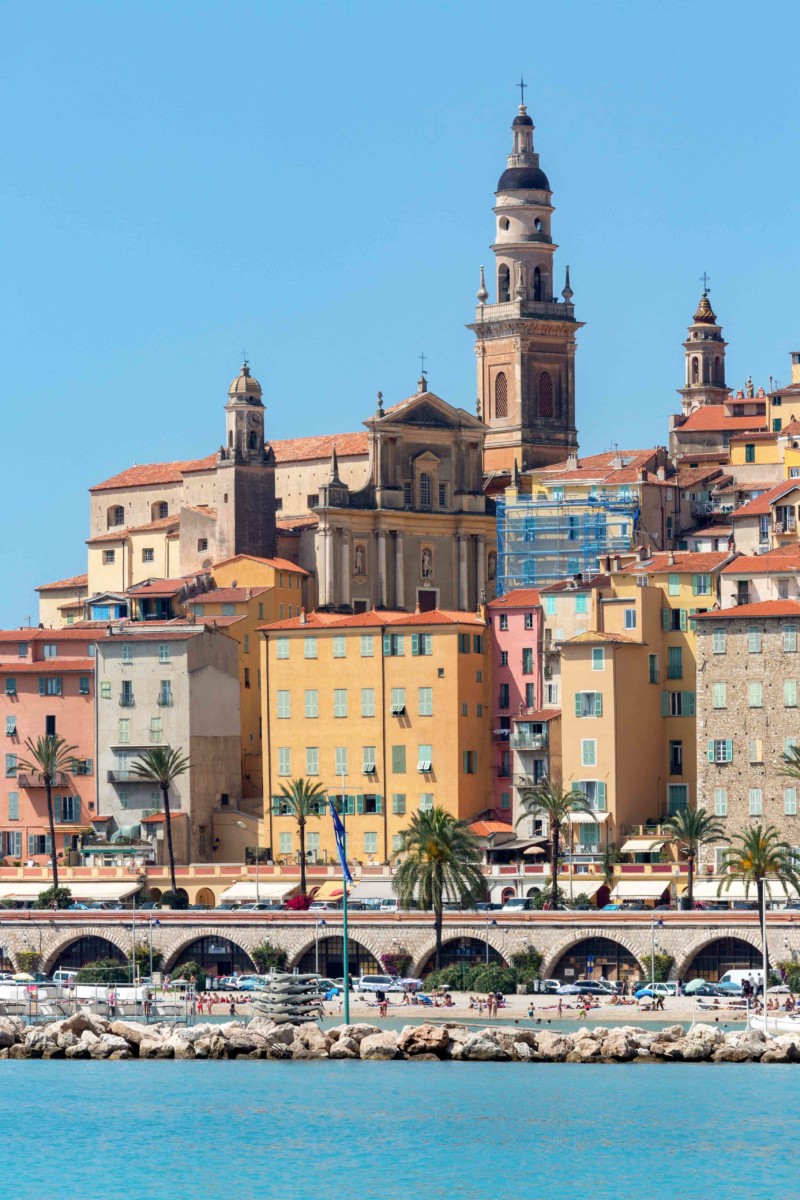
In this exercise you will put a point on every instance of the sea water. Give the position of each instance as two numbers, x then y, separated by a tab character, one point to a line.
260	1130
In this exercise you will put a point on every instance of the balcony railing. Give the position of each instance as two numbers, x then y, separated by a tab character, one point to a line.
126	777
33	779
501	735
165	699
521	740
126	700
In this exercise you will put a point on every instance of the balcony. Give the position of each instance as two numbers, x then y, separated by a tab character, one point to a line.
165	700
33	779
501	735
125	776
529	781
521	739
126	700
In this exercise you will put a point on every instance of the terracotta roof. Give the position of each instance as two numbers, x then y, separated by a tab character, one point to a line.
764	608
758	435
762	505
205	510
279	564
537	714
115	535
70	634
719	529
679	562
48	666
227	595
689	477
757	485
487	828
348	445
792	429
158	587
711	456
219	622
601	468
373	619
170	634
518	598
152	473
584	585
296	524
711	417
159	818
76	581
596	637
159	523
783	558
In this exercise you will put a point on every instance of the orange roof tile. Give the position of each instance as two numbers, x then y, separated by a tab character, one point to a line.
227	595
153	473
594	637
279	564
782	558
582	585
158	587
537	714
761	505
76	581
218	621
712	417
374	619
288	525
348	445
755	435
792	429
679	562
48	666
518	598
763	608
486	828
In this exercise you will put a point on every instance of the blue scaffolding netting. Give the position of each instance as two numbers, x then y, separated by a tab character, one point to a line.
543	539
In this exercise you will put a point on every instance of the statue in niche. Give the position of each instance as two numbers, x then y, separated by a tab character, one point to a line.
359	557
427	563
492	568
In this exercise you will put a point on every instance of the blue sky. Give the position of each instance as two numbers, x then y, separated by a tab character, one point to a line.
314	182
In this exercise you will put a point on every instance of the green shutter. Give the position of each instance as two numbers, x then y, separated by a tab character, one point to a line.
400	644
76	810
695	588
598	704
601	797
578	704
57	809
41	685
351	806
360	804
683	620
387	644
665	704
665	619
379	804
276	806
728	750
689	704
415	643
710	750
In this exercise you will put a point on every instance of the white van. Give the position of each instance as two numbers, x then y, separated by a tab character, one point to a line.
736	978
64	978
389	905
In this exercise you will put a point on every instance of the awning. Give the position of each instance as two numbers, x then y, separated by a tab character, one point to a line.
331	889
371	889
706	889
642	845
640	889
580	886
90	890
584	818
245	890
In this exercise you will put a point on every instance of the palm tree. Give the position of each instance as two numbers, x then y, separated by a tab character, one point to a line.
440	860
304	800
50	756
692	828
162	765
755	857
548	800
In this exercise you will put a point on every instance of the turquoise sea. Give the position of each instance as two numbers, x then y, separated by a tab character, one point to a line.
397	1131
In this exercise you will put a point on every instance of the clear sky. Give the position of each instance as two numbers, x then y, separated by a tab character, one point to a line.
314	181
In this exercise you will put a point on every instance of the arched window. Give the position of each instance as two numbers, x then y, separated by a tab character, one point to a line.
717	370
158	510
695	370
252	441
501	395
116	516
545	394
537	284
425	492
503	284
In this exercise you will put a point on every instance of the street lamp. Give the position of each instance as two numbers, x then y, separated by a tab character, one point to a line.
317	924
488	923
653	924
345	955
242	825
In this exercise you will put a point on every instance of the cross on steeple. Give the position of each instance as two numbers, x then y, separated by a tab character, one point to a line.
705	279
522	85
422	358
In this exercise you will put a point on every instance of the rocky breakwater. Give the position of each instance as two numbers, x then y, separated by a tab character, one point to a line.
85	1035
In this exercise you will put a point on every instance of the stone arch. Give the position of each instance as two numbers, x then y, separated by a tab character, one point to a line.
371	946
689	952
181	941
119	937
555	955
496	943
205	895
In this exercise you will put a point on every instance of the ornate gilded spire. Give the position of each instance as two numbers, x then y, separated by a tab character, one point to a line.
705	314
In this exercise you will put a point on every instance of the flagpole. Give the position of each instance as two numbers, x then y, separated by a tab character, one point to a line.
346	961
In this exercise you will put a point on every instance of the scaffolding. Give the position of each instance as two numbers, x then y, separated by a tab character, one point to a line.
541	539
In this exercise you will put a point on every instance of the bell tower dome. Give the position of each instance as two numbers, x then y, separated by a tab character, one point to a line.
705	360
525	340
245	482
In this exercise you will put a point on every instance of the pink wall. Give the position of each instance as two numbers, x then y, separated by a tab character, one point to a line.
513	641
73	711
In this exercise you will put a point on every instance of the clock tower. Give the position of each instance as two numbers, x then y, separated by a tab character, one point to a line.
245	475
525	340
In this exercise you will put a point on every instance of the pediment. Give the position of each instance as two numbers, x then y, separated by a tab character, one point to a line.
426	409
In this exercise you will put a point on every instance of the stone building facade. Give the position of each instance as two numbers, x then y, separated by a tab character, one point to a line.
748	689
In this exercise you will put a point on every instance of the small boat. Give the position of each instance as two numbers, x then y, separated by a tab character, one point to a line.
776	1023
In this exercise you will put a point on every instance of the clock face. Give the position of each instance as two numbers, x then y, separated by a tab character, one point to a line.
253	420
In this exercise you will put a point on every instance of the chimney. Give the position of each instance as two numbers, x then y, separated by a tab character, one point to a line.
661	474
671	558
616	562
642	553
303	617
642	474
572	461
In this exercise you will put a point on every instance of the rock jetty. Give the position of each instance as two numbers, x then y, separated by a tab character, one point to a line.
84	1035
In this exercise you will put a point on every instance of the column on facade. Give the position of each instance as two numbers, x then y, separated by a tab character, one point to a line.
480	575
399	580
382	593
461	540
327	565
344	559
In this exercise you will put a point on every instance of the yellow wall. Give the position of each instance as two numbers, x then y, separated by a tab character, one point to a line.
165	563
108	577
453	678
767	453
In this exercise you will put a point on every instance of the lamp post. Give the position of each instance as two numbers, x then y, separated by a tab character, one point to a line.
345	956
242	825
764	952
488	923
317	923
653	924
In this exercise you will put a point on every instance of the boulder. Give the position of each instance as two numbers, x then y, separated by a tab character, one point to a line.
38	1042
78	1023
133	1034
725	1053
108	1044
522	1052
585	1049
155	1047
481	1048
619	1047
66	1039
552	1047
700	1042
261	1024
356	1032
311	1037
210	1047
240	1040
423	1058
98	1024
79	1050
19	1050
9	1033
776	1054
344	1047
670	1050
670	1033
423	1039
380	1045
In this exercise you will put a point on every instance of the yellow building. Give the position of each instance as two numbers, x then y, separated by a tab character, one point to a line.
250	591
629	691
391	710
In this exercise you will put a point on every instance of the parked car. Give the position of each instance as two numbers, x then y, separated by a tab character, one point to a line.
148	906
584	988
488	906
227	906
657	989
322	906
261	906
611	908
518	904
77	905
374	983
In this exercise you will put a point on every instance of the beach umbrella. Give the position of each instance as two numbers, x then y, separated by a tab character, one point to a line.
693	986
22	977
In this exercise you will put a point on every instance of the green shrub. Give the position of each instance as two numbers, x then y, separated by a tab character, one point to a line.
175	899
143	959
494	979
186	970
61	895
268	958
29	960
663	962
397	962
104	970
527	965
476	978
791	975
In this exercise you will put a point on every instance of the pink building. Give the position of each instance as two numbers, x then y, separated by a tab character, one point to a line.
47	686
516	623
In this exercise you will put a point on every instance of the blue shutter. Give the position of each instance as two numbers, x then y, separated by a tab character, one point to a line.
683	620
350	805
57	809
359	804
76	809
387	644
601	797
598	704
578	704
41	685
711	750
665	619
379	804
728	750
690	704
695	588
415	643
665	704
89	766
276	806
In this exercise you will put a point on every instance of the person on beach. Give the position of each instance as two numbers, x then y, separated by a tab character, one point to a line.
148	1003
560	1006
232	1009
112	1004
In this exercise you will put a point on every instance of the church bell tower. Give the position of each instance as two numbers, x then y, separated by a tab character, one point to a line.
525	340
245	475
704	349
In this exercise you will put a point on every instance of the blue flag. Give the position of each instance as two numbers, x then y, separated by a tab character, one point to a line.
338	829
